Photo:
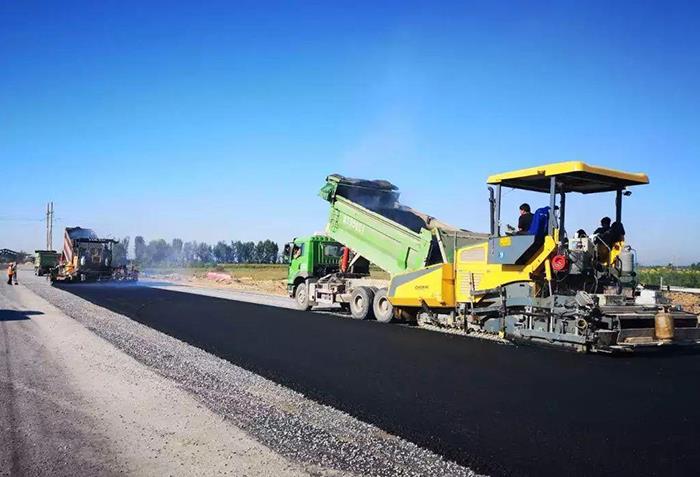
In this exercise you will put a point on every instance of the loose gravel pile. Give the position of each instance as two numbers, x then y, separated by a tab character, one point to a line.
316	436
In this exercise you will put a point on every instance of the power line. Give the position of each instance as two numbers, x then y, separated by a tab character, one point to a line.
19	219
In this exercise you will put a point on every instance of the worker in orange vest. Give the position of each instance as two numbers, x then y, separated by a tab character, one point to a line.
12	273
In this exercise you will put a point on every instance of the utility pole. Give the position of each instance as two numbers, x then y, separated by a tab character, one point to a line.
51	229
48	212
49	226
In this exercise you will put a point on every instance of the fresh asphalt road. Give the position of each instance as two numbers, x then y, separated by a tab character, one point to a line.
501	410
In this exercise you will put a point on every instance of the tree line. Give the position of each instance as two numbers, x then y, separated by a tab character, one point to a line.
176	252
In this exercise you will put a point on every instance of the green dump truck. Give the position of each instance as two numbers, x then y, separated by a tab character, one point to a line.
366	224
44	261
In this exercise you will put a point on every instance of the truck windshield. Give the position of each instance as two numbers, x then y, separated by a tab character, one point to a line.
334	251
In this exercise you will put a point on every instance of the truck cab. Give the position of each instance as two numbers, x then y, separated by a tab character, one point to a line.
310	257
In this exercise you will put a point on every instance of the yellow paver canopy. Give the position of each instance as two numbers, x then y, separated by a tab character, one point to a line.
575	176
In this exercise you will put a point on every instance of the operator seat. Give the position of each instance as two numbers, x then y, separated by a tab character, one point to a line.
538	229
540	222
518	249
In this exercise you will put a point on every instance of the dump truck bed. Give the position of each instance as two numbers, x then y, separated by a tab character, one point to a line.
46	258
367	217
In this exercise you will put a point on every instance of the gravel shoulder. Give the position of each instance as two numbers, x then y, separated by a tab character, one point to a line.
72	404
303	436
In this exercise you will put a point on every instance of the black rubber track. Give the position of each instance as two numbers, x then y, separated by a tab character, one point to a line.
501	410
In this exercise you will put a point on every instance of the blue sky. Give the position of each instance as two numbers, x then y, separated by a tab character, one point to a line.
220	120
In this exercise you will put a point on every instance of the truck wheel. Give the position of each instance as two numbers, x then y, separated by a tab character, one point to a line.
301	297
383	309
361	302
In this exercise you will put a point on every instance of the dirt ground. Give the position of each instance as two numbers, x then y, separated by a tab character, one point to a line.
224	281
270	279
689	301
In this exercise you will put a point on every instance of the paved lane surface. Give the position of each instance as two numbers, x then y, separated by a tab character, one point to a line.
498	409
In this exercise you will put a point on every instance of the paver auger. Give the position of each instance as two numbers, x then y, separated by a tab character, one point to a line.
547	286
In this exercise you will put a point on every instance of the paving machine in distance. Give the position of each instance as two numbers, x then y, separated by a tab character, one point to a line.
86	257
544	285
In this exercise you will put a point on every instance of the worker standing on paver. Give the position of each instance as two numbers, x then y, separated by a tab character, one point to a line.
604	226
